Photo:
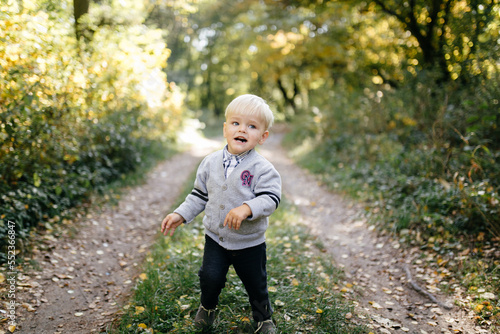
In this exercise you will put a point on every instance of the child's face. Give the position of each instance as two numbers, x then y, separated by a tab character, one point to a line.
244	132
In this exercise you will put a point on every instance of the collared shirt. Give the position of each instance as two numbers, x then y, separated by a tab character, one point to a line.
231	161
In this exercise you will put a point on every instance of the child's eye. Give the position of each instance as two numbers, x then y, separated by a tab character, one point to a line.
252	127
236	123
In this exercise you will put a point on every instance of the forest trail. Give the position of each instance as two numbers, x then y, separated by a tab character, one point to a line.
86	277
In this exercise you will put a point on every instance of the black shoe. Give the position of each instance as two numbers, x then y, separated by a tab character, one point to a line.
204	318
266	327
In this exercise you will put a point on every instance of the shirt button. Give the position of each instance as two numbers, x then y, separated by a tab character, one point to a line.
224	187
221	225
222	207
221	239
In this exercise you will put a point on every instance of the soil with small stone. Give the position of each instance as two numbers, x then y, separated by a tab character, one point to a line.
86	275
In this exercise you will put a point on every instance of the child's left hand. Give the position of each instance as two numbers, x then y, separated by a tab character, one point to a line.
236	216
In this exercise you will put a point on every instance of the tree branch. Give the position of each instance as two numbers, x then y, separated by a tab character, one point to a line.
426	293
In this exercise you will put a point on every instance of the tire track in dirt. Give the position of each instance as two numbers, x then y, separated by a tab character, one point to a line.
85	278
374	265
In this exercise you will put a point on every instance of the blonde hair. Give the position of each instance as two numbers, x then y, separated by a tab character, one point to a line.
251	105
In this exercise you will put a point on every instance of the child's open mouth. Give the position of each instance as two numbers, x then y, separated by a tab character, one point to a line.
243	140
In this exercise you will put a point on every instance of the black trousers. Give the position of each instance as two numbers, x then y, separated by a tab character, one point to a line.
249	264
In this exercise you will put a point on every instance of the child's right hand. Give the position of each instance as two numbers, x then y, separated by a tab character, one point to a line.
170	223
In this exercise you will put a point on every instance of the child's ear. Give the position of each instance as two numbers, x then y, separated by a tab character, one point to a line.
265	135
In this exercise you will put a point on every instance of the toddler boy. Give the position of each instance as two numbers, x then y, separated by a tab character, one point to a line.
238	189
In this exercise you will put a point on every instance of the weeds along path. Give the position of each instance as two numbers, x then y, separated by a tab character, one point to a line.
84	278
376	267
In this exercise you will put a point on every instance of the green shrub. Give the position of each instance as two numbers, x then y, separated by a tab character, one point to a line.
423	155
75	117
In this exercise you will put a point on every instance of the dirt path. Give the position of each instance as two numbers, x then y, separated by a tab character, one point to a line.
84	279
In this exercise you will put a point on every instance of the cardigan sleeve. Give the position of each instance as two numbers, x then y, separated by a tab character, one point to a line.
267	192
195	202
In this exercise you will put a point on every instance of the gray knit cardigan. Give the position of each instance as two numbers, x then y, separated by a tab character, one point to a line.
254	182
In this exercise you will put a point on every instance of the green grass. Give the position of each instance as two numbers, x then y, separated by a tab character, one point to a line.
303	285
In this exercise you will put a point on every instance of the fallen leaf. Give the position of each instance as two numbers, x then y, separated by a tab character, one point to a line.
437	310
28	307
143	326
139	309
78	314
295	282
319	311
278	302
143	276
62	276
12	328
348	315
488	295
272	289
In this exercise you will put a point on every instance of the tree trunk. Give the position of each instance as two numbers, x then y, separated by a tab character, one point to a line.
80	8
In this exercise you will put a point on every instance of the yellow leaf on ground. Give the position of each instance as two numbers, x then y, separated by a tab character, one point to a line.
319	311
12	328
143	276
139	309
143	326
295	282
375	305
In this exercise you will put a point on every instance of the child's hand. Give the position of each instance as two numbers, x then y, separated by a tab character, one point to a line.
170	223
236	216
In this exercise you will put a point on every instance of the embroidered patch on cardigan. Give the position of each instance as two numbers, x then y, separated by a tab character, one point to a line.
246	177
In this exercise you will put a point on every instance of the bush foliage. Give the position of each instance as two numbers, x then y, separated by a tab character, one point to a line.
434	173
75	115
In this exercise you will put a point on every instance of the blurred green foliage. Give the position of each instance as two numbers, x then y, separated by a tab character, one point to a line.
426	157
75	116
